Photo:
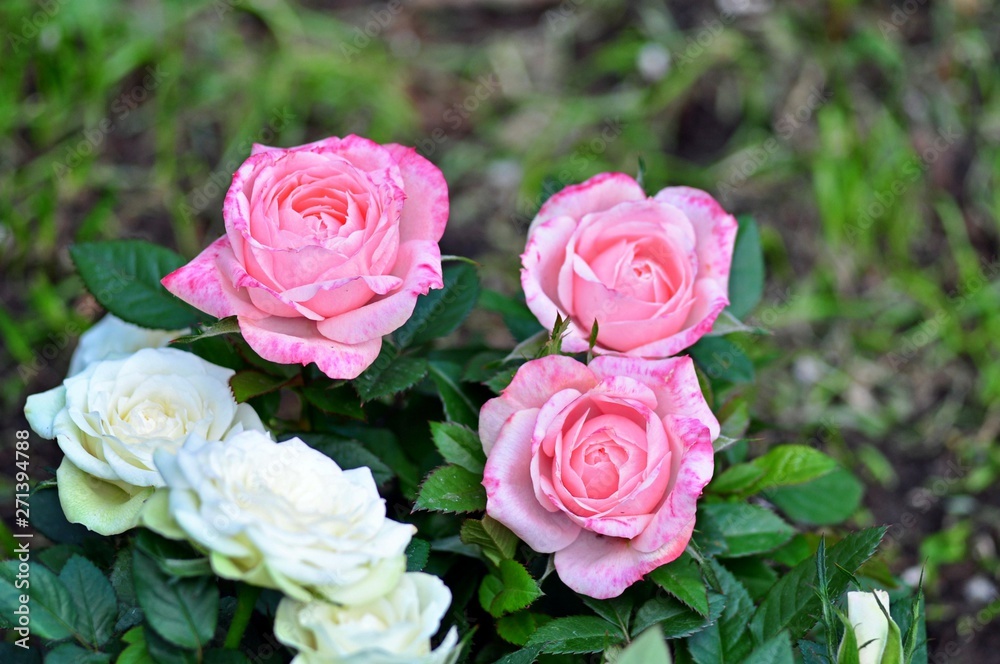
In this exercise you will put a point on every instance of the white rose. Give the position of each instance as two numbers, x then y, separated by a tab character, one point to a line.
110	419
112	338
393	629
878	638
281	515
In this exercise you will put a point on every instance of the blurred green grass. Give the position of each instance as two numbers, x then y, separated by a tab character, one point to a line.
126	119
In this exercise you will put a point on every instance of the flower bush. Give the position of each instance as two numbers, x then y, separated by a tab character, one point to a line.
317	470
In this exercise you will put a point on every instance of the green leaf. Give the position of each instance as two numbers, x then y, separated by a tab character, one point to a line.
495	539
184	611
52	610
649	648
575	635
736	479
221	656
417	552
70	653
755	575
518	627
789	465
522	656
722	360
385	445
848	652
726	641
96	604
452	489
675	619
812	653
136	652
227	325
810	503
616	610
348	454
440	312
249	384
793	604
746	276
173	557
389	374
512	589
776	650
338	400
912	623
682	578
784	465
739	529
48	517
124	276
458	407
163	651
516	314
459	445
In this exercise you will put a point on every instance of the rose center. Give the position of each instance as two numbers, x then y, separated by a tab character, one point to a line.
600	471
642	270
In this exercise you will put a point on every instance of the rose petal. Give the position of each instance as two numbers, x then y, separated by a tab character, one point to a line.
297	341
600	192
199	282
677	514
673	380
715	228
419	265
425	213
603	567
709	301
510	496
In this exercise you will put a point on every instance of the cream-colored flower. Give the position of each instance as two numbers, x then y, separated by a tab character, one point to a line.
112	338
114	415
878	637
393	629
281	515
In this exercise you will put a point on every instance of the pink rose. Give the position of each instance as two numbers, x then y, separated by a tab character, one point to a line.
600	464
653	272
327	247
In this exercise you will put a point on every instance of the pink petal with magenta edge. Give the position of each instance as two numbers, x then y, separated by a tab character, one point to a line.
510	496
297	341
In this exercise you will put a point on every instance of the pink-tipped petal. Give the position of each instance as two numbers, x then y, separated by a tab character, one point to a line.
603	567
296	341
710	299
599	193
510	496
673	380
677	515
199	282
419	265
715	228
493	415
541	261
536	381
425	213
